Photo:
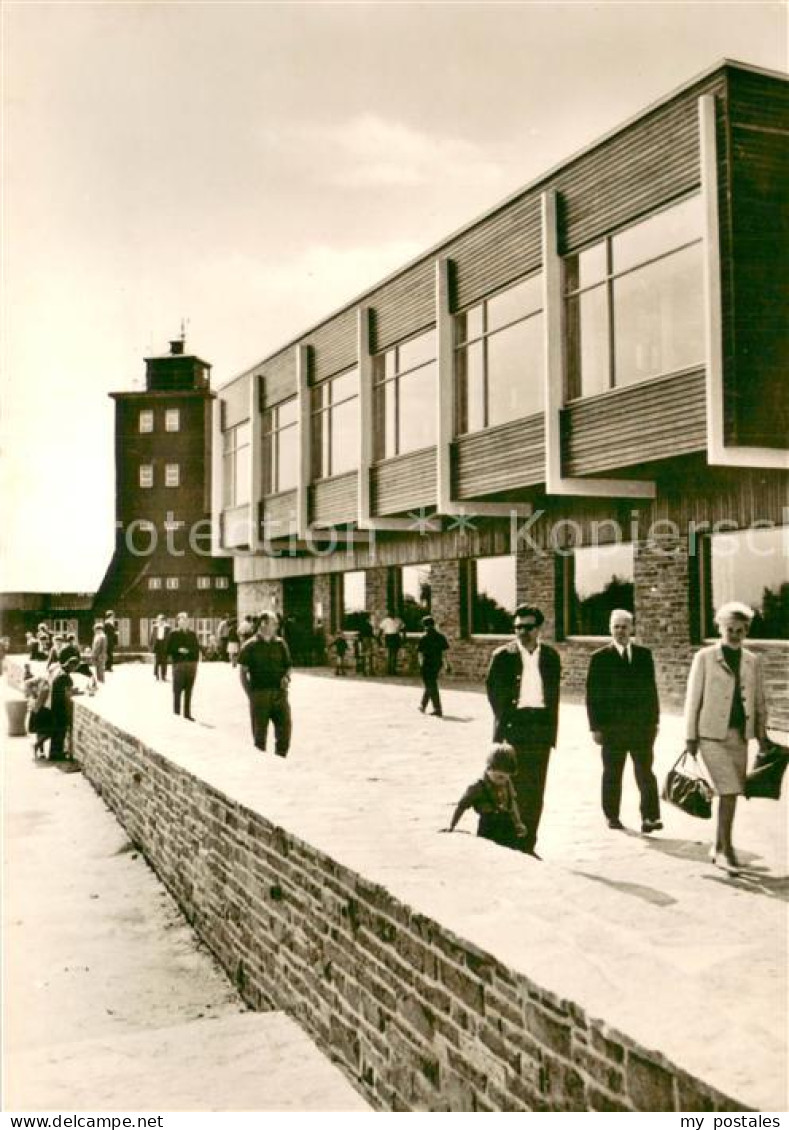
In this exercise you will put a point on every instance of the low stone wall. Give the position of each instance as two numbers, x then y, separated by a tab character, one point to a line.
417	1018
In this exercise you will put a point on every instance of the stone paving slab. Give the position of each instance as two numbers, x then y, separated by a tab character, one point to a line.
642	932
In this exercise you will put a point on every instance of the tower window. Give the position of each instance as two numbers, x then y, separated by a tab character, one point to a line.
222	582
172	420
146	420
172	475
172	582
146	474
204	582
154	582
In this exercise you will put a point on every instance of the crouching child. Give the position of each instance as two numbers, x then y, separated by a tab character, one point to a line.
493	798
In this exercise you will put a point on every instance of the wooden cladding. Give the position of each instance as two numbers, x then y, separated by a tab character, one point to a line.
278	513
758	100
657	419
497	251
235	402
334	500
500	459
279	377
334	345
236	527
405	483
403	306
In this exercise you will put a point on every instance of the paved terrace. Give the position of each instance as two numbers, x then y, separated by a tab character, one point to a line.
641	932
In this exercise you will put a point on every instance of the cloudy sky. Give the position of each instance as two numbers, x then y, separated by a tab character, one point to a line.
250	167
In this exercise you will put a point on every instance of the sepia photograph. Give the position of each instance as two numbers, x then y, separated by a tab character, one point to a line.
394	564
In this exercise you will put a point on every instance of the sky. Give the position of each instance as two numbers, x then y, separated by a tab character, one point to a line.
251	167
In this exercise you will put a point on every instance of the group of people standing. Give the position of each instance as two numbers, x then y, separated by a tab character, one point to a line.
725	708
50	694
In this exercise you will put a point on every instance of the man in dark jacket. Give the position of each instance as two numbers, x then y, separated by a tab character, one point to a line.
183	651
523	691
265	663
111	632
624	711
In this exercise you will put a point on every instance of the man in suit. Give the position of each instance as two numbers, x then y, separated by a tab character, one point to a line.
624	711
160	633
111	632
183	651
523	691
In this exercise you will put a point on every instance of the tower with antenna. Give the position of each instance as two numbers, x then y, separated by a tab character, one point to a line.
162	560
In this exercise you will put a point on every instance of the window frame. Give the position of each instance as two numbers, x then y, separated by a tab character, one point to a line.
606	284
154	584
324	390
172	583
469	585
146	413
204	583
381	379
567	591
169	415
707	632
230	452
482	338
172	474
271	432
221	582
145	476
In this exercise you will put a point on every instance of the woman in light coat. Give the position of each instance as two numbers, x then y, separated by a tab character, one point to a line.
724	709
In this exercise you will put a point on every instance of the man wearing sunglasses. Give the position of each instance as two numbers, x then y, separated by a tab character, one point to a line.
523	691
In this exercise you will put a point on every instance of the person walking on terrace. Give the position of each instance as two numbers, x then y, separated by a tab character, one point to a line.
392	633
98	650
430	652
183	651
624	713
160	633
265	664
523	690
111	631
725	707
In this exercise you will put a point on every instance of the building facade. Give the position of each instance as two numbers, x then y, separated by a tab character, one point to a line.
578	400
162	561
62	612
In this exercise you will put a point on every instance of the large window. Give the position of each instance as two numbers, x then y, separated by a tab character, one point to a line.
749	566
635	303
492	595
335	425
354	595
414	596
281	447
405	396
598	579
235	465
499	358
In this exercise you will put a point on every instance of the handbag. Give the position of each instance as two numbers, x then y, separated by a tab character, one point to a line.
766	777
688	790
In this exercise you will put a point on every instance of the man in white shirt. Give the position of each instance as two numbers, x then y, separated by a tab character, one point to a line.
391	630
523	691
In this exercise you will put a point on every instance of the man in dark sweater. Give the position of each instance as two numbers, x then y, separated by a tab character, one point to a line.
265	663
183	651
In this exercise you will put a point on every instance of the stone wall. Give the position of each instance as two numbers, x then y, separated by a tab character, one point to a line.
417	1018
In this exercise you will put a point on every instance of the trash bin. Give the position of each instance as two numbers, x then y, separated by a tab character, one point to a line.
16	711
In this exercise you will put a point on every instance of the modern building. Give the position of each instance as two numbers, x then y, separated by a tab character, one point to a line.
162	561
577	400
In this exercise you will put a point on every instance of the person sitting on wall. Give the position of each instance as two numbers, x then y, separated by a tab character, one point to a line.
493	798
265	665
183	651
